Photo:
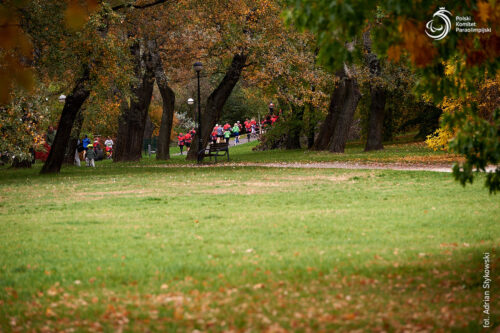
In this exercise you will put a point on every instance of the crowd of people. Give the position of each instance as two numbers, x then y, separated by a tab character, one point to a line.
97	150
223	133
93	151
185	140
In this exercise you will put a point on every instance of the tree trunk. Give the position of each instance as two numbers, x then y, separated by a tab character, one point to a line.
69	158
334	131
133	118
74	102
293	136
167	118
216	101
376	122
346	107
149	128
326	130
378	98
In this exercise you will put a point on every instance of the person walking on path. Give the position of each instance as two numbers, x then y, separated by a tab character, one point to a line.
220	134
90	156
78	149
85	143
227	135
109	142
180	141
236	133
109	147
213	136
187	141
248	128
51	136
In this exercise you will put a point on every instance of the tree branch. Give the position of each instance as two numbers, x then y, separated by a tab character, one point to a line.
130	5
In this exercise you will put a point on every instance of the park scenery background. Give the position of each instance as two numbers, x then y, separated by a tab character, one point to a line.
357	188
165	246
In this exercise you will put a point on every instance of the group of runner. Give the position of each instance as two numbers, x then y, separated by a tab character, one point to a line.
222	133
185	139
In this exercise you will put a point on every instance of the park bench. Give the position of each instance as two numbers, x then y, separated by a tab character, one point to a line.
214	149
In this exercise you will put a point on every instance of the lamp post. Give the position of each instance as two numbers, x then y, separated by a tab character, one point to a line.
198	66
62	99
190	102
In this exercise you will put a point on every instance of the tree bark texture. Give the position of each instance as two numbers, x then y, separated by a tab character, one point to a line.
378	98
345	108
167	118
72	105
334	131
326	130
133	118
69	158
216	101
293	135
376	121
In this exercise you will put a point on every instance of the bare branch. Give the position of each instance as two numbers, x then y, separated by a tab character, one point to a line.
130	5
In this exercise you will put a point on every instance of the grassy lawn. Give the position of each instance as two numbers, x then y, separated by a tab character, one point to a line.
236	248
399	151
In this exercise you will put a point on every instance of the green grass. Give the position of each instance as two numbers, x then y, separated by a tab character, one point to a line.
136	247
399	151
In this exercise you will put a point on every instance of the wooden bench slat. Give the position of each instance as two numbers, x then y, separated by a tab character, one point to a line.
215	148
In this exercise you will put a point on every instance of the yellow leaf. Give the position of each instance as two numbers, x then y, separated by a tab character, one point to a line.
484	10
178	313
50	313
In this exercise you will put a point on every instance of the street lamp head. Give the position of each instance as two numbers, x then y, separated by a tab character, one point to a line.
62	98
198	66
190	101
271	105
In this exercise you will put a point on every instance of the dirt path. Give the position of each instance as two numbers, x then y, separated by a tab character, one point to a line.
328	165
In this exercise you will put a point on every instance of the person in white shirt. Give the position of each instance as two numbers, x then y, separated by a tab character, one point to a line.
108	142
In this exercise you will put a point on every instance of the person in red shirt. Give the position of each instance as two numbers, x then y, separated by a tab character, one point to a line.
180	141
248	129
226	127
187	141
213	136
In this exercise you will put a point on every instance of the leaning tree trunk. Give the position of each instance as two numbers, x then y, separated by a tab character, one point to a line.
167	118
69	158
335	128
378	98
326	130
216	101
346	107
133	118
73	103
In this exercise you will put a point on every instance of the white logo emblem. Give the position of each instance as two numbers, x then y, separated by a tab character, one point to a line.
441	31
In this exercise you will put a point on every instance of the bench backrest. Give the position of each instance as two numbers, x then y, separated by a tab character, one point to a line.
218	146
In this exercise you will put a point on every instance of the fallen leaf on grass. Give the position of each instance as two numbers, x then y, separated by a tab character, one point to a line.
50	313
349	316
258	286
178	313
